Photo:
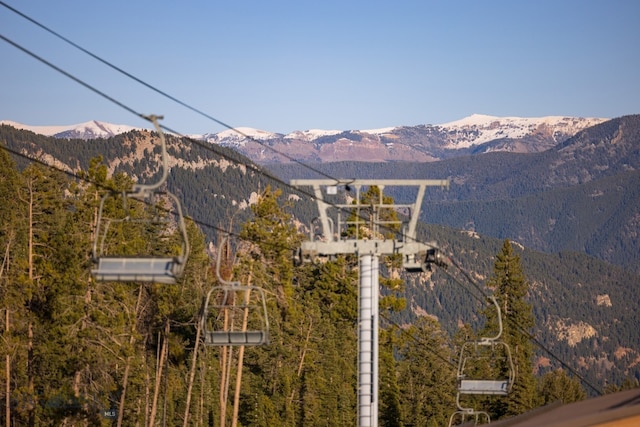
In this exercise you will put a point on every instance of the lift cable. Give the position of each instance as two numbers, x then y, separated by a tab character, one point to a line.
72	77
163	93
210	147
454	263
519	327
201	144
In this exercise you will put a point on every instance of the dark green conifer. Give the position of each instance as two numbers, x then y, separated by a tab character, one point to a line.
557	386
510	288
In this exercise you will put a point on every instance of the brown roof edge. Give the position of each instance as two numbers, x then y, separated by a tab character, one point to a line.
605	411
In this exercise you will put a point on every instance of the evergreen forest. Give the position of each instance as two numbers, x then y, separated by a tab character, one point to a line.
80	351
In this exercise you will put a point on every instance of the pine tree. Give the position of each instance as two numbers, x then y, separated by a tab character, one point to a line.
510	288
558	386
389	390
12	252
329	296
426	375
267	263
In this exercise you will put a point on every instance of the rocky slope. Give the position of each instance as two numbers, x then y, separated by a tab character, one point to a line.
422	143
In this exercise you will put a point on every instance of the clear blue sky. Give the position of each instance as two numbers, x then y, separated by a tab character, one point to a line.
292	65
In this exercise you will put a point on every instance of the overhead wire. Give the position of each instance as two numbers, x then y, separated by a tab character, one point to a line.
163	93
201	144
100	185
72	77
389	320
519	327
209	146
168	96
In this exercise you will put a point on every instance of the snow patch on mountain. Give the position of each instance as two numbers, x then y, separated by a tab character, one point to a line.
380	131
311	134
88	130
479	128
40	130
237	136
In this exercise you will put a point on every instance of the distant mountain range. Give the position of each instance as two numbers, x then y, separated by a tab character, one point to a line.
423	143
583	194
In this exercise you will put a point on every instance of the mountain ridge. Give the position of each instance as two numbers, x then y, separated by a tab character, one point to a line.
470	135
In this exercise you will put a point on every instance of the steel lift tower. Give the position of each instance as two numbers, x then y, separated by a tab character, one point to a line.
363	229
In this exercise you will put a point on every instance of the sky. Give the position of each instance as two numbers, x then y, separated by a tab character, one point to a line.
287	65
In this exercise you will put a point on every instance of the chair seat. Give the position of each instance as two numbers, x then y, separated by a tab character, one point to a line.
136	269
235	338
500	387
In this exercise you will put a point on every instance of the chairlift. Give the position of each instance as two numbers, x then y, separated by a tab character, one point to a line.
234	314
491	354
485	367
156	215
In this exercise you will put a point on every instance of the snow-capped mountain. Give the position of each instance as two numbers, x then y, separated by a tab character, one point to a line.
478	129
237	136
88	130
422	143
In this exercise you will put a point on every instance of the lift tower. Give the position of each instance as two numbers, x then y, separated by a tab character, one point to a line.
339	230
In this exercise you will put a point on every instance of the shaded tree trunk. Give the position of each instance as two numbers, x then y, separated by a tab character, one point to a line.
192	373
159	368
127	367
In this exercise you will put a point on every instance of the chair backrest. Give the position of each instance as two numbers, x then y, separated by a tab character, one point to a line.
167	264
137	269
235	315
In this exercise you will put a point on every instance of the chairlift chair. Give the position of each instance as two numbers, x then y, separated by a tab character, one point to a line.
157	215
487	351
234	314
487	354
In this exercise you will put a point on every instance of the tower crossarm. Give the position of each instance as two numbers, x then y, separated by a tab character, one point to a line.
331	185
333	237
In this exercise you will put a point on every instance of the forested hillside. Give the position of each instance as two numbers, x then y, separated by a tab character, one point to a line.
131	353
215	183
78	350
584	308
